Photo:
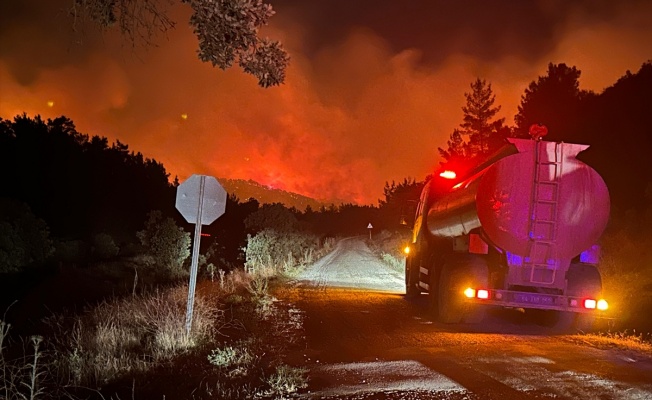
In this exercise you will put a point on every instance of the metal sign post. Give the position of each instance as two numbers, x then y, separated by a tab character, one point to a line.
370	227
195	257
201	200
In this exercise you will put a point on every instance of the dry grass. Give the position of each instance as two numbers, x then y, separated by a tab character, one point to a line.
625	340
286	380
123	338
129	335
22	377
253	366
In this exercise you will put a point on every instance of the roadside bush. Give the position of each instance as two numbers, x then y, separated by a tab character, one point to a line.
272	216
167	243
104	247
71	251
272	252
236	360
388	246
254	366
24	238
626	269
286	380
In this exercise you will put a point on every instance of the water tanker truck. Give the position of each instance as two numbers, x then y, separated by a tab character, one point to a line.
520	232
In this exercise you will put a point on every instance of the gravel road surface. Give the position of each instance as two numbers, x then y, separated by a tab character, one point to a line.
366	341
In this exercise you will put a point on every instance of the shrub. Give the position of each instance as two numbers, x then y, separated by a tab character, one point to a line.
260	356
166	242
104	247
71	251
24	238
272	216
286	380
236	360
259	290
273	252
388	246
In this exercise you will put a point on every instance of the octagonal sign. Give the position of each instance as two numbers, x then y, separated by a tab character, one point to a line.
201	195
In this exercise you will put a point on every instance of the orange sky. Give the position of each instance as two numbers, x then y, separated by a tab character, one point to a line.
361	105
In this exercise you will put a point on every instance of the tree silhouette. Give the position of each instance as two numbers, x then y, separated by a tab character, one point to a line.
456	152
617	124
400	203
227	31
478	114
166	243
229	234
80	186
553	100
485	135
272	216
24	238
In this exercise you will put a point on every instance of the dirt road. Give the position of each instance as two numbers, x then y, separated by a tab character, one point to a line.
366	341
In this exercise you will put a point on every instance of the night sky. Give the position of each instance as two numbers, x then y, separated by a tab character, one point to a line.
373	89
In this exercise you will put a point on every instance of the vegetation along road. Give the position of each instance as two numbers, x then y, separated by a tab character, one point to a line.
364	340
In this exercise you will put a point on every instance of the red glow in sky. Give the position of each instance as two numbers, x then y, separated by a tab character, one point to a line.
366	101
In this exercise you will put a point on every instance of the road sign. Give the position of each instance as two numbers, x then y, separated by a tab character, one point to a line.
201	190
201	200
370	227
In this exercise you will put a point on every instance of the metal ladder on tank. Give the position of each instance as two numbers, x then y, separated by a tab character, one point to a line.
548	174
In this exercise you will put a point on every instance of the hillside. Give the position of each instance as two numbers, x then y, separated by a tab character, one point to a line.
245	189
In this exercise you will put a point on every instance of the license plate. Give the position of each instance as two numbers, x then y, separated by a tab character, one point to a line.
533	298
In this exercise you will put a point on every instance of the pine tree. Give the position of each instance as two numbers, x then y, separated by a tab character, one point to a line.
478	113
484	135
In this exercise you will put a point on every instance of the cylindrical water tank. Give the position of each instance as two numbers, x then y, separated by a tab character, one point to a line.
540	193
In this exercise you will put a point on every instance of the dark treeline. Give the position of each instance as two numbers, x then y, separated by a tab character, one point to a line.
79	185
617	124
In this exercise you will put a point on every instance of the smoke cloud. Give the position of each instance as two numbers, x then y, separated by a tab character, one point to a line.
373	88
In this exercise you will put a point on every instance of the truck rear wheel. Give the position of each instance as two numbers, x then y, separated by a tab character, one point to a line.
583	281
433	289
449	302
411	279
456	275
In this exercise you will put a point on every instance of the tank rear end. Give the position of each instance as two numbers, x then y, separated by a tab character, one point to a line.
531	219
